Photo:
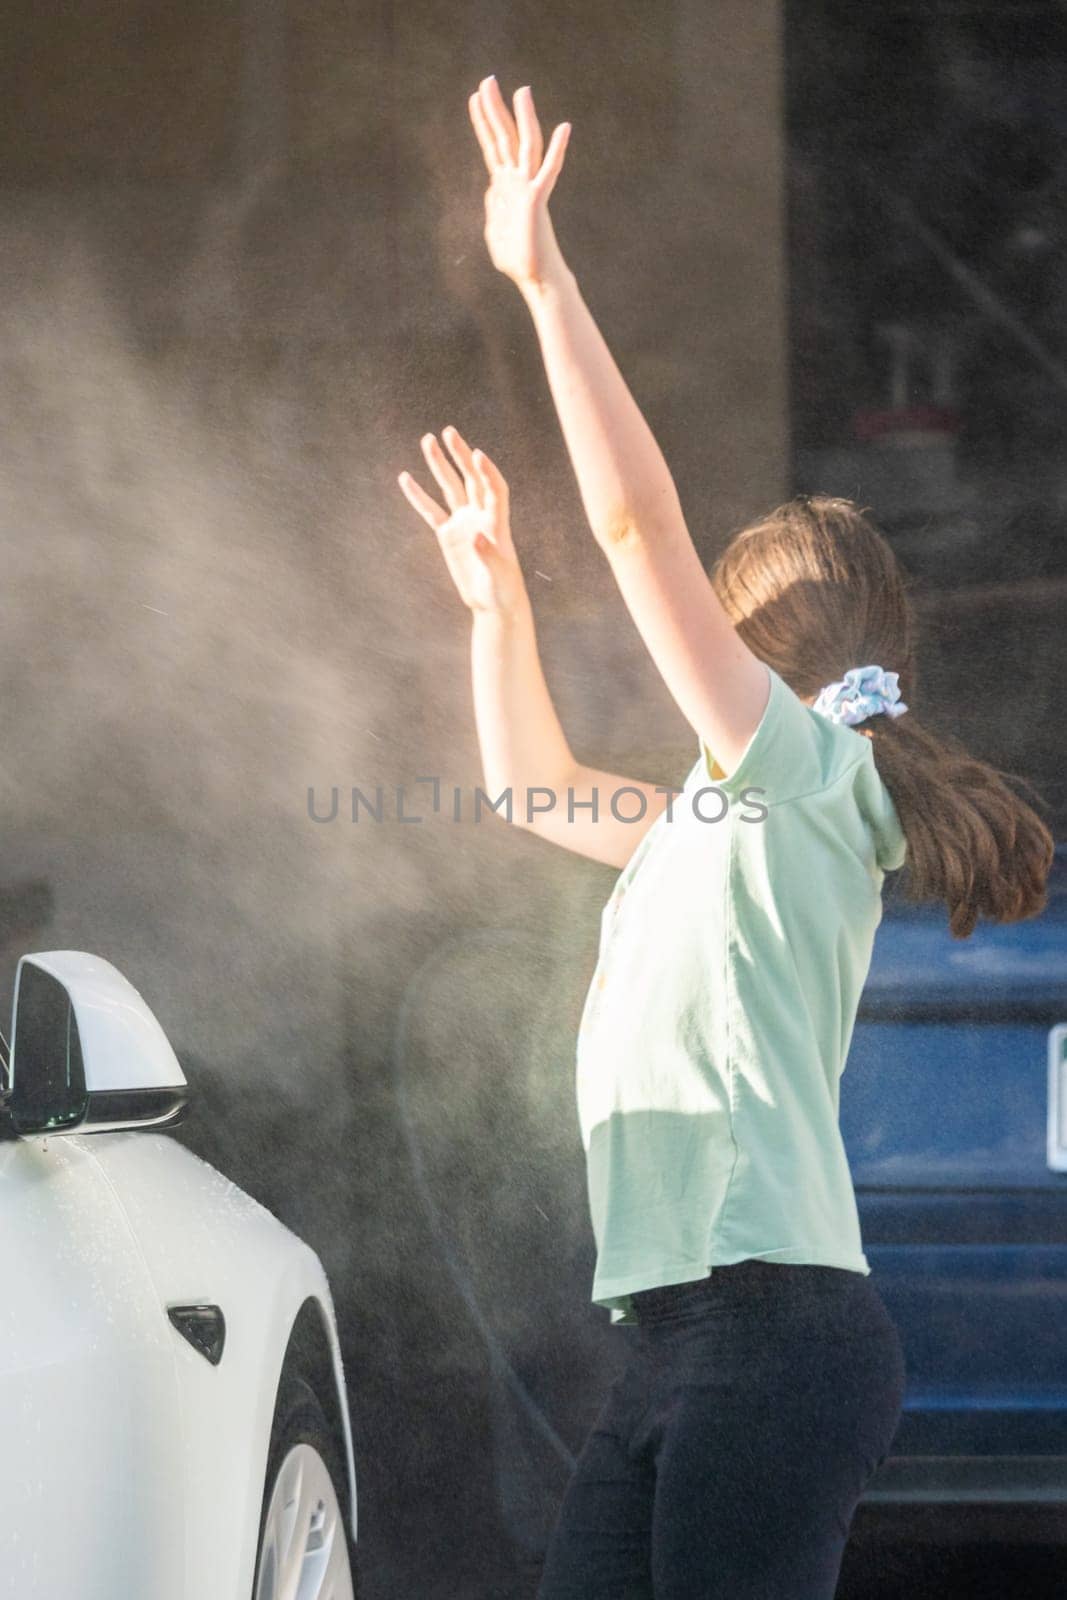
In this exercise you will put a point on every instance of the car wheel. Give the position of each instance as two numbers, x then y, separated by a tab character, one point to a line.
303	1538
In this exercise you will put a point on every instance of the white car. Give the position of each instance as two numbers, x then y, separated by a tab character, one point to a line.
175	1425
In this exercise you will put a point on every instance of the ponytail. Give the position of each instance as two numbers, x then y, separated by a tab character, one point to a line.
972	842
814	589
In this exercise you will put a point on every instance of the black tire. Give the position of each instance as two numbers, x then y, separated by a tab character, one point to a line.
300	1419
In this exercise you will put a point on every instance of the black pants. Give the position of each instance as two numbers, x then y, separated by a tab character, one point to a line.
731	1452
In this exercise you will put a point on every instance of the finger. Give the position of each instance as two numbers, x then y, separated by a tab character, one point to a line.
449	479
484	132
428	509
495	500
498	484
486	492
486	550
462	452
531	144
545	180
495	106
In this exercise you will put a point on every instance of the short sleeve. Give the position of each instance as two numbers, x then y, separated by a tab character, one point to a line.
880	815
788	755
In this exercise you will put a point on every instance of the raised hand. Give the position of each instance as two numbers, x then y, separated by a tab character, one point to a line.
475	532
518	230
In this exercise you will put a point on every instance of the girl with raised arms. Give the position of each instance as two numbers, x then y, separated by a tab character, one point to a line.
766	1379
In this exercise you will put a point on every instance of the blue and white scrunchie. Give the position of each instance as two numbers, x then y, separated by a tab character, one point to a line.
863	692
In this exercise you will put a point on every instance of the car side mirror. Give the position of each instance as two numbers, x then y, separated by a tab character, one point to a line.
87	1055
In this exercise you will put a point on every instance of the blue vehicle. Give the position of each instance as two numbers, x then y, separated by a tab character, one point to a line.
954	1113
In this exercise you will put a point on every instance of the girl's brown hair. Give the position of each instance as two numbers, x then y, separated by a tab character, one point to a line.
813	589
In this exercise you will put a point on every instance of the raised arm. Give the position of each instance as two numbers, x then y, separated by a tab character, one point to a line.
627	490
523	746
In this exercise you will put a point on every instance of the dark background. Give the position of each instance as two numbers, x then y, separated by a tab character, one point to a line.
928	210
242	272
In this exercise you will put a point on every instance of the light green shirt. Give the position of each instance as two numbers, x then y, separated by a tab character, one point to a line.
716	1027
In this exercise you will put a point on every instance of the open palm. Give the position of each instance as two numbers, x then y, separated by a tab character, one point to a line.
518	229
475	532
